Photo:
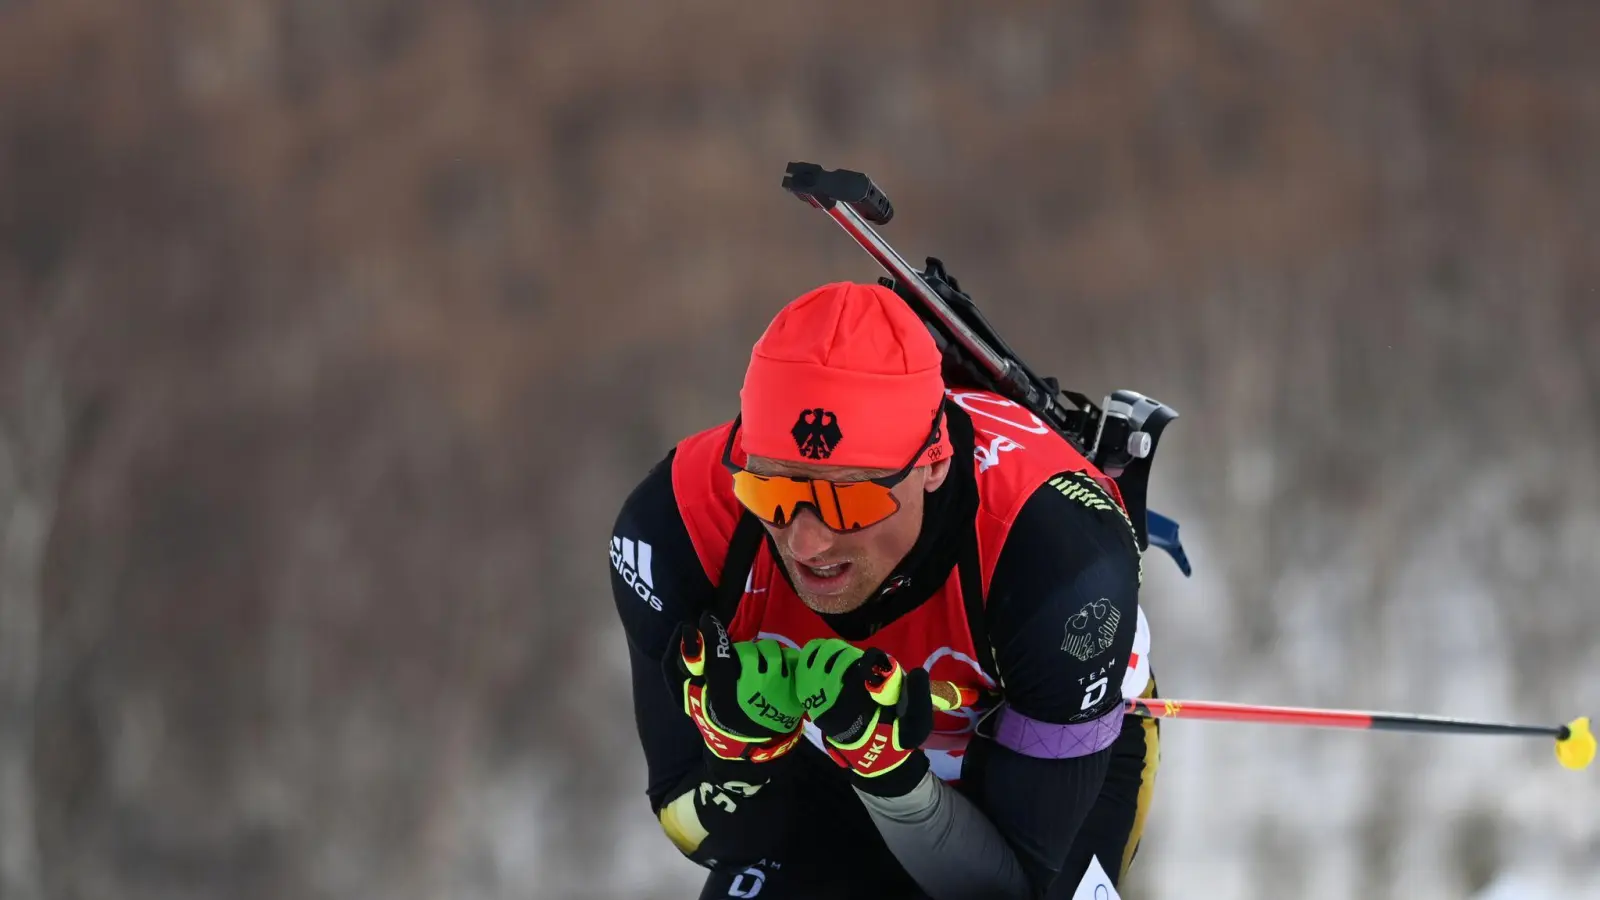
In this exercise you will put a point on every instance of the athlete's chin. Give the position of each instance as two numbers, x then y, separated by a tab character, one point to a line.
833	604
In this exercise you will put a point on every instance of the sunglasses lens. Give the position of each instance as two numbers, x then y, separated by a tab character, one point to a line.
773	500
863	503
842	507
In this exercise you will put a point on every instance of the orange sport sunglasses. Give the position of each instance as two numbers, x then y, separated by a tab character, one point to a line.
843	506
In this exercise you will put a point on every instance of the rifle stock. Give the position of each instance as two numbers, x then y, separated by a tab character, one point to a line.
1120	438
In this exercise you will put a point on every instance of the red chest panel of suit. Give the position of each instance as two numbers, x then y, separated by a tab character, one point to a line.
933	636
1014	453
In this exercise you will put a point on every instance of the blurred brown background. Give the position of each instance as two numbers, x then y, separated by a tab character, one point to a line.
332	334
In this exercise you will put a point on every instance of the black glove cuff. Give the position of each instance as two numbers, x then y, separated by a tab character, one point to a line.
898	781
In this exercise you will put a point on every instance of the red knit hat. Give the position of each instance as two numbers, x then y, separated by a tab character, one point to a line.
846	375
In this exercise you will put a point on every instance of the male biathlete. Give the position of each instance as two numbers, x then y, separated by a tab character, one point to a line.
881	629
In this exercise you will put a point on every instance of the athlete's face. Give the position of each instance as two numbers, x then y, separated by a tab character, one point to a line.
836	573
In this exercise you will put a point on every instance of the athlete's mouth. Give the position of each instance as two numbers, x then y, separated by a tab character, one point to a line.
826	580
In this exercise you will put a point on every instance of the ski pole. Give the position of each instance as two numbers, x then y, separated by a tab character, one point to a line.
1575	744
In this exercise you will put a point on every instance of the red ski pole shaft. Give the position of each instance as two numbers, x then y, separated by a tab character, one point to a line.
1331	718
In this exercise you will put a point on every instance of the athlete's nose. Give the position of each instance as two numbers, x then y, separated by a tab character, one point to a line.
807	538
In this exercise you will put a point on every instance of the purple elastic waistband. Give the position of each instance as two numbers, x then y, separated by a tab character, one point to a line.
1045	740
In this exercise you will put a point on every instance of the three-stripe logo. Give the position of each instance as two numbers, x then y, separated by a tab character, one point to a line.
631	559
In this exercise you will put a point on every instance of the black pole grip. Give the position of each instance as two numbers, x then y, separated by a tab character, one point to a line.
829	186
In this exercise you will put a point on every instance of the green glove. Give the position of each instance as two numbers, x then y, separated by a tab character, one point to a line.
740	694
873	714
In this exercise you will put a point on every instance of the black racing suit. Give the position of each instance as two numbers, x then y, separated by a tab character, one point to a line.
808	834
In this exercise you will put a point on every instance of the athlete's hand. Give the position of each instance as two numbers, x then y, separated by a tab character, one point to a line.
873	714
740	694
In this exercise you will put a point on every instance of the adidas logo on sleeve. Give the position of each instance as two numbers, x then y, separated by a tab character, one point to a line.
631	559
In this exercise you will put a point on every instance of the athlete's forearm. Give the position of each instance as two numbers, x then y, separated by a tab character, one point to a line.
729	811
947	844
1010	838
722	819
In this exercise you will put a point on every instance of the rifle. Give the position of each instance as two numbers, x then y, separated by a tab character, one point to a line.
1120	437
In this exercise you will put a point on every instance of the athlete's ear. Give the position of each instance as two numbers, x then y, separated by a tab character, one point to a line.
937	473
